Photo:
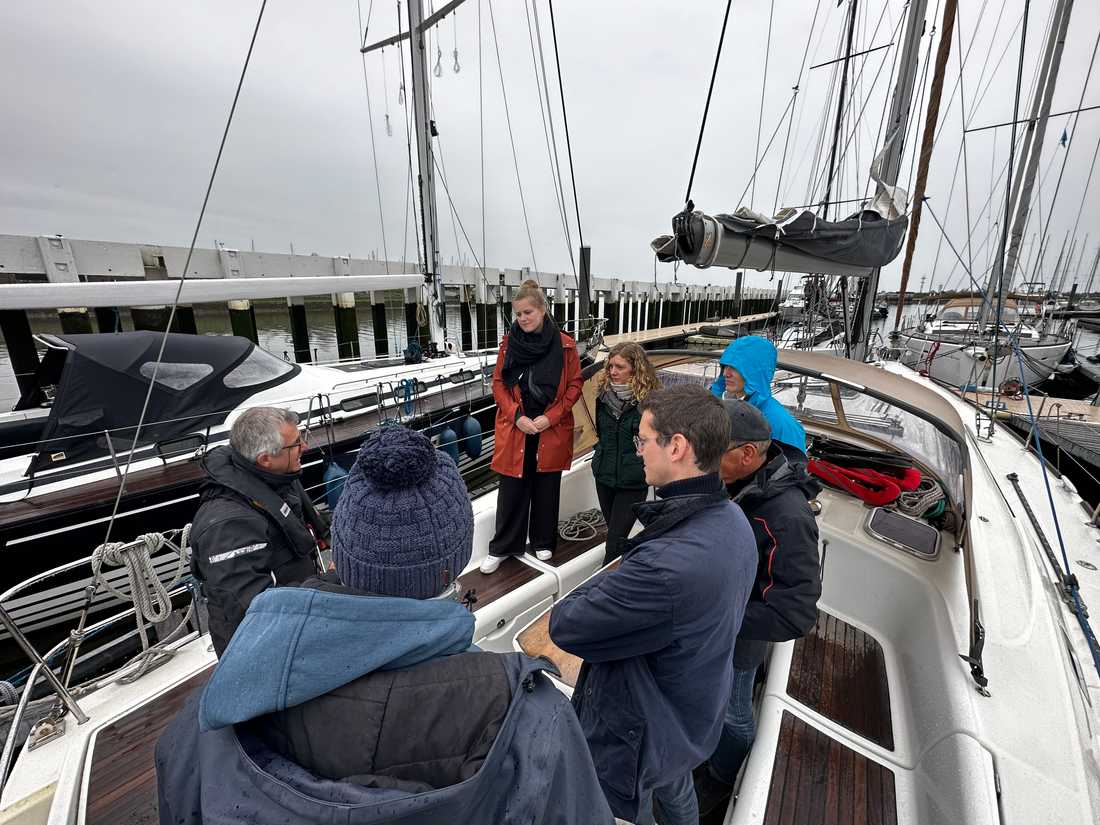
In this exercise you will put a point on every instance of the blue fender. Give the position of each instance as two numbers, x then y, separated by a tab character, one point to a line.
471	437
448	443
405	390
334	477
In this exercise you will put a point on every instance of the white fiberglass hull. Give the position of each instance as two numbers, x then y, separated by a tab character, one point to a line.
961	363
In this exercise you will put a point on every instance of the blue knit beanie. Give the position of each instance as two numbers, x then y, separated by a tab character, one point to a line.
404	525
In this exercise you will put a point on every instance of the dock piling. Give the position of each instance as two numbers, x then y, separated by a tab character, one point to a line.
299	329
347	325
242	320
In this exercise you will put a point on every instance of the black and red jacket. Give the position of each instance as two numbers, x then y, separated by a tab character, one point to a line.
783	601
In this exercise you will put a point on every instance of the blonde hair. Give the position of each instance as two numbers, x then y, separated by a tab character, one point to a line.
530	290
642	382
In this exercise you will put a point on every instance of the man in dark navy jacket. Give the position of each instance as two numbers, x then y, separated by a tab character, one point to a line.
657	634
774	494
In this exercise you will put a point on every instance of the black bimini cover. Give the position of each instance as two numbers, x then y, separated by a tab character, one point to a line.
791	241
101	382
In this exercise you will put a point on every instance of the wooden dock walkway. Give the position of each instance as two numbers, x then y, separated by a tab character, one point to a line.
651	336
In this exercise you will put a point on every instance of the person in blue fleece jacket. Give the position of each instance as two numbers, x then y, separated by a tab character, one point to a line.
748	365
365	702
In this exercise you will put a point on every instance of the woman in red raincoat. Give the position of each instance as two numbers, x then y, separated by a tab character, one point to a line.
536	382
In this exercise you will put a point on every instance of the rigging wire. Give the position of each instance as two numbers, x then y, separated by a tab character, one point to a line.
794	94
763	91
481	135
1008	209
551	154
183	274
1065	157
914	122
439	144
867	101
706	107
386	94
564	114
511	139
370	119
410	199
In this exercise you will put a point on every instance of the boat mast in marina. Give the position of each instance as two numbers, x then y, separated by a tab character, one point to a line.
889	164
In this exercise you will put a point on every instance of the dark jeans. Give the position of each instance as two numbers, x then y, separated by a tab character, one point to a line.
527	506
618	511
679	805
739	730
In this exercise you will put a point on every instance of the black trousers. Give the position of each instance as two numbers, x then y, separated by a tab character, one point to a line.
618	511
527	506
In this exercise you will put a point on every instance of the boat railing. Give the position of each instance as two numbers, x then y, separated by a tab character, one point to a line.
150	656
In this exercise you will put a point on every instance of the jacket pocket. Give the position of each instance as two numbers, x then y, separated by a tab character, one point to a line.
615	740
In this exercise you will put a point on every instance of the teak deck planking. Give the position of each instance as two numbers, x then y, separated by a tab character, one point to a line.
840	672
122	784
818	780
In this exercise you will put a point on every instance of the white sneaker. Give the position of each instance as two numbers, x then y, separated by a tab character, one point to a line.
544	555
490	564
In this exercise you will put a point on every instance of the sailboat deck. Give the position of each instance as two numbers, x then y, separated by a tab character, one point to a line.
820	780
839	671
122	783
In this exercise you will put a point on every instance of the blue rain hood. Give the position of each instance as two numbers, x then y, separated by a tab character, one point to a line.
298	643
755	357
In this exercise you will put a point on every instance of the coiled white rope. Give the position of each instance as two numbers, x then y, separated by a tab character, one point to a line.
582	526
147	592
920	501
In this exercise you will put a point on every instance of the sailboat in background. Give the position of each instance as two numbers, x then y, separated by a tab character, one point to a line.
984	341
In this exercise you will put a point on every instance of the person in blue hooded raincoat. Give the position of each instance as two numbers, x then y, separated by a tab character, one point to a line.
748	365
365	702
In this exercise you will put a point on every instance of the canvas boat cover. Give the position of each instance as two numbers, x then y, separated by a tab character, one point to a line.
794	239
100	383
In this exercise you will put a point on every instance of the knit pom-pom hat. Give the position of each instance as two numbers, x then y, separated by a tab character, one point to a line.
404	525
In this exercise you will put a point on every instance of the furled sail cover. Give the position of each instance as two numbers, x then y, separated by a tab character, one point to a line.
795	240
101	382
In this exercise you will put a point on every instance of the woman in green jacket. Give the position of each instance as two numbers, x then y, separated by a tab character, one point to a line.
627	378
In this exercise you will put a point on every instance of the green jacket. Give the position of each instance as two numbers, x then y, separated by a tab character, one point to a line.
616	463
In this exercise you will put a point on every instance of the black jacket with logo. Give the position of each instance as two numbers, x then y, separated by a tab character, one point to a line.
783	602
252	531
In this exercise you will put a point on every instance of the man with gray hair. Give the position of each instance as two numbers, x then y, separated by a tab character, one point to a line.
256	526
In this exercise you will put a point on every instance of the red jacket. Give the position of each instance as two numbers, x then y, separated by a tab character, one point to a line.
556	441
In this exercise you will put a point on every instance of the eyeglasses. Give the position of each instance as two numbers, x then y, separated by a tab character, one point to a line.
300	444
641	441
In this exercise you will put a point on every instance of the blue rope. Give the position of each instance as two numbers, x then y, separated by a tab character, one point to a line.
1071	582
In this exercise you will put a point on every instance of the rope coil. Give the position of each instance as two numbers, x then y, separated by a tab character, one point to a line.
918	502
147	592
582	526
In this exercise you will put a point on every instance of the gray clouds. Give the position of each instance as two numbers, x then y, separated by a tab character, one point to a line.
114	111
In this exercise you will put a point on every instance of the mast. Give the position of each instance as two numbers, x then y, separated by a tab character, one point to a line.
891	160
931	118
839	109
422	122
1022	188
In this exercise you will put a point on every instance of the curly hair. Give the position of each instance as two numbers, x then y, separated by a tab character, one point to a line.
642	382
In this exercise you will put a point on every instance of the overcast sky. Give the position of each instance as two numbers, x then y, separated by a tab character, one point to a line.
113	111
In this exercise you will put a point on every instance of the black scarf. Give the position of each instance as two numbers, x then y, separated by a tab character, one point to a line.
534	361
